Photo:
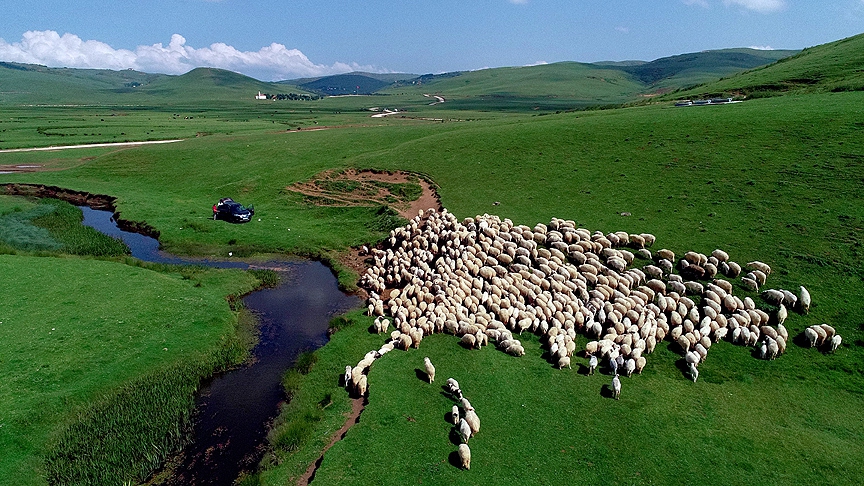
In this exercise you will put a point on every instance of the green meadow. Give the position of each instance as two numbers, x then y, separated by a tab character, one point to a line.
778	179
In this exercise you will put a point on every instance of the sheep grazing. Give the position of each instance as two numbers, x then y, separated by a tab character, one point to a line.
616	387
466	404
564	361
454	415
804	300
835	342
640	364
629	367
464	430
694	372
592	365
361	386
452	385
473	421
347	377
782	314
811	336
465	456
430	370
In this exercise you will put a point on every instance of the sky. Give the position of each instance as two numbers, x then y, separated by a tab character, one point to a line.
275	40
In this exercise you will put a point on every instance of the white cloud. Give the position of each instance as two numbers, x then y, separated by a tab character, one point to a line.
273	62
518	2
536	63
758	5
622	29
762	48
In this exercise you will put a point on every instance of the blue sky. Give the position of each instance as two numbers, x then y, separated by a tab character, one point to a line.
273	40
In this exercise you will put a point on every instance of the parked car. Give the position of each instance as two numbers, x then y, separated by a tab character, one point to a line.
229	210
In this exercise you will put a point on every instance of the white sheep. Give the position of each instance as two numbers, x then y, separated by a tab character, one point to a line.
430	370
454	415
466	404
464	430
347	378
811	336
361	386
473	421
465	456
804	300
835	342
629	367
694	371
592	364
452	385
616	387
564	361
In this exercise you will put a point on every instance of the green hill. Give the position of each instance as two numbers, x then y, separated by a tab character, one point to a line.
836	66
700	67
31	83
34	84
572	85
343	84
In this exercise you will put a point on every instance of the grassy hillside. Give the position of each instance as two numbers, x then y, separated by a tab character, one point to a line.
836	66
32	84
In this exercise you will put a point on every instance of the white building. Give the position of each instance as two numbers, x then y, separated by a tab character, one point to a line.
260	96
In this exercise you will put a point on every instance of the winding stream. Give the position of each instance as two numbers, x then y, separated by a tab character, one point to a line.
234	409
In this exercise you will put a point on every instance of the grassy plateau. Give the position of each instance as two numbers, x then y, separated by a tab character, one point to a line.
777	179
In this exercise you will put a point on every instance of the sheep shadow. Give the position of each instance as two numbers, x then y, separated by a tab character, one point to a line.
448	417
582	370
682	366
455	438
606	391
455	460
372	329
421	375
801	340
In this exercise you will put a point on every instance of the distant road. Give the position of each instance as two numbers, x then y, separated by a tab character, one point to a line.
89	145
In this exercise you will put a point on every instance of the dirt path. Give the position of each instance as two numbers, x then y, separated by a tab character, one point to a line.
88	145
357	407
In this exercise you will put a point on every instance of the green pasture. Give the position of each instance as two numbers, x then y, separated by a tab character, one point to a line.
776	179
540	425
90	345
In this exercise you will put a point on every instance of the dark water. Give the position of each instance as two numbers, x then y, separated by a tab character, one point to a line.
235	408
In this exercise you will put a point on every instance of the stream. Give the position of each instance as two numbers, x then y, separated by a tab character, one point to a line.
235	408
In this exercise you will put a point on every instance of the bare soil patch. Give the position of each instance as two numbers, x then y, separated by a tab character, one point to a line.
350	187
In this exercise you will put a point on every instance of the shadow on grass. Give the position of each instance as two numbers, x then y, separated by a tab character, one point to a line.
421	375
582	370
681	364
455	438
801	340
454	459
606	391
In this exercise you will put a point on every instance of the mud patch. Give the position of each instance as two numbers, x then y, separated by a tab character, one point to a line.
405	192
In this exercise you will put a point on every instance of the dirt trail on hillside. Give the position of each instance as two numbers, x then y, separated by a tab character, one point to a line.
357	406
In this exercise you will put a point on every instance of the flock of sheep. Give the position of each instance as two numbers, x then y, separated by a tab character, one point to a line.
487	280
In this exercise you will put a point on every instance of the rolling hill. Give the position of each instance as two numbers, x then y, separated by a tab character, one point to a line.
836	66
35	84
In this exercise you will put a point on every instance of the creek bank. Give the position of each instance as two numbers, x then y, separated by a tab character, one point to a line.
99	202
234	408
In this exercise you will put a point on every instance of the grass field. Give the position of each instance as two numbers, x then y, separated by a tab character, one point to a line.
776	179
78	336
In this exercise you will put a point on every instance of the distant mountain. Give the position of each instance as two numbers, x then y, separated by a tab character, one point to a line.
342	84
836	66
699	67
